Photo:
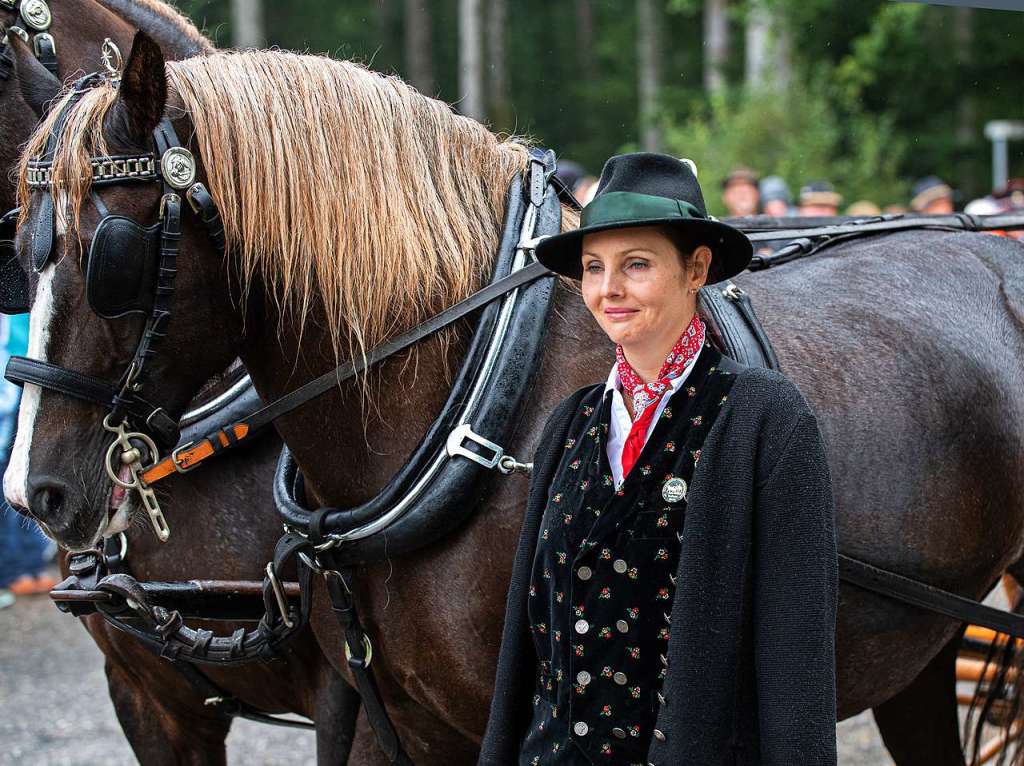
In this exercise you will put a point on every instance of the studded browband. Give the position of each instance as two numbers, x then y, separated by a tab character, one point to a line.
105	170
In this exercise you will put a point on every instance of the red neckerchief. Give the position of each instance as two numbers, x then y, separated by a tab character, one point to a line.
645	396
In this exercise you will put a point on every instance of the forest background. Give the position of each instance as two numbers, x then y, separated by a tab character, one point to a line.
868	94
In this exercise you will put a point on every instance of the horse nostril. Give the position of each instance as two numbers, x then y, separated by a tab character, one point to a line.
46	497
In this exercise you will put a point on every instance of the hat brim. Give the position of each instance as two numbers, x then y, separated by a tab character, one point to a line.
730	248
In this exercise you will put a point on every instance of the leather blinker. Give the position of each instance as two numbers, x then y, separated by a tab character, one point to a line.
14	289
120	276
41	234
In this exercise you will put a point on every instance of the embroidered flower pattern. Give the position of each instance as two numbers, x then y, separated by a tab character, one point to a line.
597	606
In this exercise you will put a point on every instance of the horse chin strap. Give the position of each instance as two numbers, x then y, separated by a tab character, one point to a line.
174	167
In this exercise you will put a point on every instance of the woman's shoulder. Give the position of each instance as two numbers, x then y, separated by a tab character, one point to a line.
767	396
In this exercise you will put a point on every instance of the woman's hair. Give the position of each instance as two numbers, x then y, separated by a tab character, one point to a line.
686	243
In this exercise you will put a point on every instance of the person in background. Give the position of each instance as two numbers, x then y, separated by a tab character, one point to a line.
932	196
818	198
863	208
24	551
776	198
740	194
577	180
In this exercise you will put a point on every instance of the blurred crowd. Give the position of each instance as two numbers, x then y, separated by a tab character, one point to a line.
25	553
744	193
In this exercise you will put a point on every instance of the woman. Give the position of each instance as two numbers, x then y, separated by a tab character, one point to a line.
632	637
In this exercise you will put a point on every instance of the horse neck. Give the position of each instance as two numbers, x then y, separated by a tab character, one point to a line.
176	37
347	452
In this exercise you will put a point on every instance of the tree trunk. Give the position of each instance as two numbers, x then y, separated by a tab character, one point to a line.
471	70
648	43
247	24
967	106
497	54
759	43
716	44
419	51
584	47
768	48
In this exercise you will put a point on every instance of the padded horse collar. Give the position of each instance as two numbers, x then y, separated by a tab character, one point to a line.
35	19
121	281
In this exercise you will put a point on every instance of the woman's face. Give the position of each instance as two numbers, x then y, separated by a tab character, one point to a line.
636	286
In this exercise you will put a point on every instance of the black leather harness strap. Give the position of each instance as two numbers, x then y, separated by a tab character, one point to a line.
808	240
183	460
358	646
921	594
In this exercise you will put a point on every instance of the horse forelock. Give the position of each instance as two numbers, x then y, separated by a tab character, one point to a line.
81	139
344	189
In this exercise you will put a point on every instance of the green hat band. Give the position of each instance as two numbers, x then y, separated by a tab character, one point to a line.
626	207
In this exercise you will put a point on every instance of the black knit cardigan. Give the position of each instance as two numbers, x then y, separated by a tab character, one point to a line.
752	672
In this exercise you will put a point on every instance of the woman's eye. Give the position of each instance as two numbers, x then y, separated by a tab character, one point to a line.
637	265
593	267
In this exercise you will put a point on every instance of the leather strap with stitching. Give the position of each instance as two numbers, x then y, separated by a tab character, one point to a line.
186	459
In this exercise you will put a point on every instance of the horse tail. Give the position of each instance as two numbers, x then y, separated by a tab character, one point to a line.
994	724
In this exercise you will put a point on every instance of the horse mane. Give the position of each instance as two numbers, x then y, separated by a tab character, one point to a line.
339	188
175	33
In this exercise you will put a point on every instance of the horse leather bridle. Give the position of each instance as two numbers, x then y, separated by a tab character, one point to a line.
35	19
173	166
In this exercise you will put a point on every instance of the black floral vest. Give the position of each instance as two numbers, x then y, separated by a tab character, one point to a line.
603	579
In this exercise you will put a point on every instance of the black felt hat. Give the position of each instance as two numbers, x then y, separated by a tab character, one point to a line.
646	189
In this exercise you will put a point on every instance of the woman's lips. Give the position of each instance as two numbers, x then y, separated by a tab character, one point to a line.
618	315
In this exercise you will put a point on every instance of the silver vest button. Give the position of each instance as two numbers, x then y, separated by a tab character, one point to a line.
622	626
582	626
620	733
584	573
620	566
659	735
620	678
580	728
583	678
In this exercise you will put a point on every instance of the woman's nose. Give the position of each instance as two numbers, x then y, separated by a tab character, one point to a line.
612	284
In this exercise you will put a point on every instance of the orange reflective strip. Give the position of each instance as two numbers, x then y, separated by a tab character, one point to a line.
191	457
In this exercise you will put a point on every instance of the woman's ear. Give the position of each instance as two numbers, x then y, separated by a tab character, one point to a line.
700	265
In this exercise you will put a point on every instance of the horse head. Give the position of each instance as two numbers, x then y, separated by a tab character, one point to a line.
103	212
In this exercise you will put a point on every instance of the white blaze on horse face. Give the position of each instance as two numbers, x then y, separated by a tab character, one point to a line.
16	477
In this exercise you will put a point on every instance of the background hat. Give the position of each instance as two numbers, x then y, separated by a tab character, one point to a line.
740	175
927	190
775	188
820	193
646	189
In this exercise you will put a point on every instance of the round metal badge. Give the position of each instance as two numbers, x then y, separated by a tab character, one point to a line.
673	490
37	14
178	167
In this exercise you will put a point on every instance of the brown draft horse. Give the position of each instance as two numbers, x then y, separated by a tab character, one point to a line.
355	207
230	508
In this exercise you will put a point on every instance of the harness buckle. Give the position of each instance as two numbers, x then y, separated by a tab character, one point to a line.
465	432
733	292
282	602
367	657
39	40
177	463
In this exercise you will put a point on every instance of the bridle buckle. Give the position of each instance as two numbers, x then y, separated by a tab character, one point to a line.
176	462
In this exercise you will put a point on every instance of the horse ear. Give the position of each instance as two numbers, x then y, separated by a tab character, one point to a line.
143	94
38	87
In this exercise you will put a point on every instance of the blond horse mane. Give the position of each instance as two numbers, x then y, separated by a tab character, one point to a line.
339	188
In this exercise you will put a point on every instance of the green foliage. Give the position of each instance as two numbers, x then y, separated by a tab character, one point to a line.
796	134
884	92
